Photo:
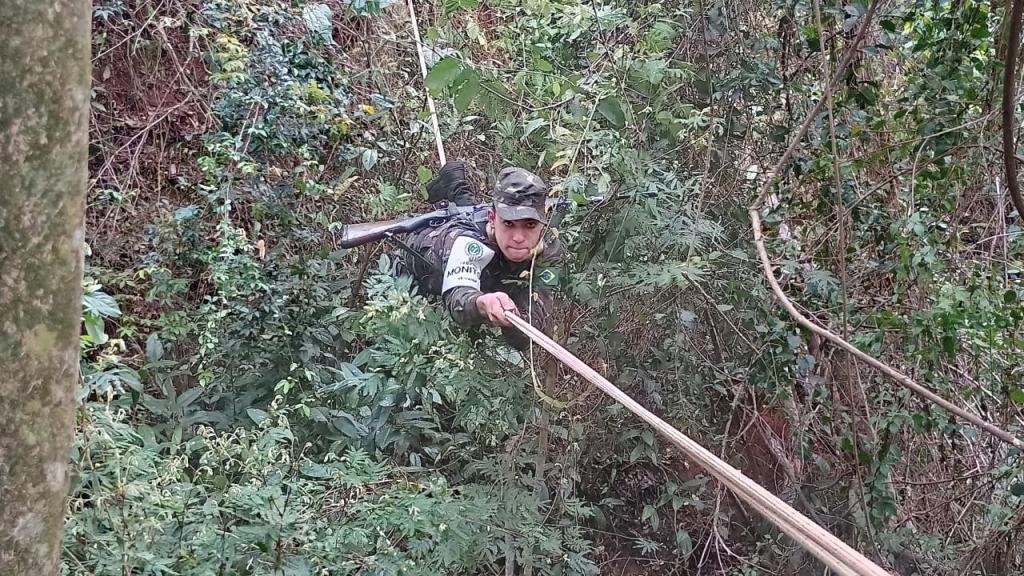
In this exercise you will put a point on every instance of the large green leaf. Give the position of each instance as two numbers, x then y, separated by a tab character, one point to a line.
101	304
611	109
95	329
256	414
467	90
317	18
442	75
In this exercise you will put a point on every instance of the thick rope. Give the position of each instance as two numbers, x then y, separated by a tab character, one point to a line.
430	100
832	551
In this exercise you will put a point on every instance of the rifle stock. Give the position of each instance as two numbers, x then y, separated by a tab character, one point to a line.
353	235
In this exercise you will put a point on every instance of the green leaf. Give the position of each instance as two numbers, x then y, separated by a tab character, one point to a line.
451	6
684	543
532	125
647	546
847	445
794	341
867	95
1017	395
812	38
186	213
256	415
919	420
318	19
369	158
109	379
424	174
980	32
95	329
650	514
347	425
1010	296
949	344
1017	489
467	91
543	65
100	304
317	470
611	109
188	397
660	36
442	75
154	348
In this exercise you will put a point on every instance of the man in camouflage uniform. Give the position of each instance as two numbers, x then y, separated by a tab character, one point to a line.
480	267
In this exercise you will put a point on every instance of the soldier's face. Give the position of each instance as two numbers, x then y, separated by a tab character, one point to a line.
516	238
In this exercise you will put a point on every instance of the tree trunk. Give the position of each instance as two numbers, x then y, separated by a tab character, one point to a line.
44	111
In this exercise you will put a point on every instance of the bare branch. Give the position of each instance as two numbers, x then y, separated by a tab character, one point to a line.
899	377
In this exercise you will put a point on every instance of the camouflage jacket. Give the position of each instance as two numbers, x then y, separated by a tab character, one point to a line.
460	263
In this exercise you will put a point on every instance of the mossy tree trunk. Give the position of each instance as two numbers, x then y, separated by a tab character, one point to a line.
44	110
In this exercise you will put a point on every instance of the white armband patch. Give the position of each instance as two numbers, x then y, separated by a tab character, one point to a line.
465	263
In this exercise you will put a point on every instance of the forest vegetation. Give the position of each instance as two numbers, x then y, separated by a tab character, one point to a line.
256	400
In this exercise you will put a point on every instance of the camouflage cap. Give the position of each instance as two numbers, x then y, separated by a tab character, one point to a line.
520	195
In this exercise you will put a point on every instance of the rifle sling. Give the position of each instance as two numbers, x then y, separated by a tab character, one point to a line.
394	240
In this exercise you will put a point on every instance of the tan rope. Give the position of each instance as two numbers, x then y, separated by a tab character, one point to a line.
423	68
832	551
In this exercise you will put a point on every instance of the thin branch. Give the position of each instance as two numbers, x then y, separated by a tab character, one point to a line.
707	298
852	388
442	160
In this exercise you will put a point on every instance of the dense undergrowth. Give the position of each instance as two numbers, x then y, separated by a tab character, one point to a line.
258	401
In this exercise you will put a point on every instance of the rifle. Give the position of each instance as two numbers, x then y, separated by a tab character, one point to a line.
353	235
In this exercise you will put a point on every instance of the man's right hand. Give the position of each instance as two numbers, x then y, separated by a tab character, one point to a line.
493	306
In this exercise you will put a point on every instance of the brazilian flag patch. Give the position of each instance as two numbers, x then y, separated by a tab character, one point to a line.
547	276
